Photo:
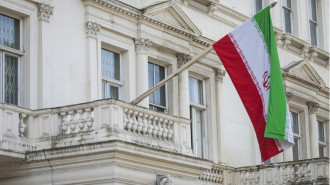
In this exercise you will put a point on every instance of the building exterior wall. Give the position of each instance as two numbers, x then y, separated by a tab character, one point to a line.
61	66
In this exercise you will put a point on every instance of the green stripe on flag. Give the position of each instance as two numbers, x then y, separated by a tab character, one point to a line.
276	118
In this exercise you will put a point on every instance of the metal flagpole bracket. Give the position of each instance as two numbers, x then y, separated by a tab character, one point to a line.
273	4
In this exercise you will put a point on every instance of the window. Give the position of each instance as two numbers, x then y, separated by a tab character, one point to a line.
322	139
257	6
196	96
287	11
312	21
297	137
157	100
111	71
10	56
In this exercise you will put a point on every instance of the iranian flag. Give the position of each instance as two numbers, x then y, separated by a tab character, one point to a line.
250	57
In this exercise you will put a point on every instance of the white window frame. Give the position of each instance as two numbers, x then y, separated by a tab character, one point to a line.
283	15
16	53
315	22
110	81
166	95
203	108
322	143
298	136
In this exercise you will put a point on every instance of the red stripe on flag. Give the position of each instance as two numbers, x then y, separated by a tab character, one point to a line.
248	93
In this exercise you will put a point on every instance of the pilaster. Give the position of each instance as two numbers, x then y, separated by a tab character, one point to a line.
141	48
184	104
44	14
312	109
219	74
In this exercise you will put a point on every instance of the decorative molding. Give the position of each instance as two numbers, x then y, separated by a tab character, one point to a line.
45	11
288	96
163	180
219	75
92	29
312	107
142	45
182	59
304	51
313	53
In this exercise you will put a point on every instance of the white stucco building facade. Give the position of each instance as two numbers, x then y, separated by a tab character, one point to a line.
70	68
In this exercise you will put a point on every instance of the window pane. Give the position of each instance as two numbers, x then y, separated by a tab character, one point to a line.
287	3
312	10
103	90
321	131
151	81
321	151
110	64
295	150
295	123
257	5
157	74
9	32
114	92
312	27
287	20
197	132
196	90
11	79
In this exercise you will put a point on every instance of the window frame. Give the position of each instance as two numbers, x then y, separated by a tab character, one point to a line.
314	22
203	108
284	18
297	136
166	93
19	53
109	81
322	143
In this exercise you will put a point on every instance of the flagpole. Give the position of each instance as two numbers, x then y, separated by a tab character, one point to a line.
184	67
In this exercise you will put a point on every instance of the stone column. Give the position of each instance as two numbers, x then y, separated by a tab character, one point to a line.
314	140
142	46
184	104
44	13
92	31
219	75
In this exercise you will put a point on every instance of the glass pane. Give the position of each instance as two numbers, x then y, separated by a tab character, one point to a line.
110	64
103	90
287	3
151	81
321	151
11	79
312	27
287	20
312	10
321	131
295	123
160	93
257	5
114	92
159	109
9	32
295	150
196	90
197	121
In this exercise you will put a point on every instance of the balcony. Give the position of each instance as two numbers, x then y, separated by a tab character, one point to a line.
309	172
23	130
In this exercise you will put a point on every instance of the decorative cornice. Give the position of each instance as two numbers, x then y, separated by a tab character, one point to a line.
45	11
219	75
323	90
142	45
92	29
312	107
182	59
288	96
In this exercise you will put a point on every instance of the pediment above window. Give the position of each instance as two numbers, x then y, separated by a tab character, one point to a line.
171	14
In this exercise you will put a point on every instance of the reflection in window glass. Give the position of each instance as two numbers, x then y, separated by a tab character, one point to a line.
11	79
9	32
295	123
295	149
196	90
197	129
110	64
157	99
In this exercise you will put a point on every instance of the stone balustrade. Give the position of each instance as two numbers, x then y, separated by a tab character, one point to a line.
310	171
23	130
